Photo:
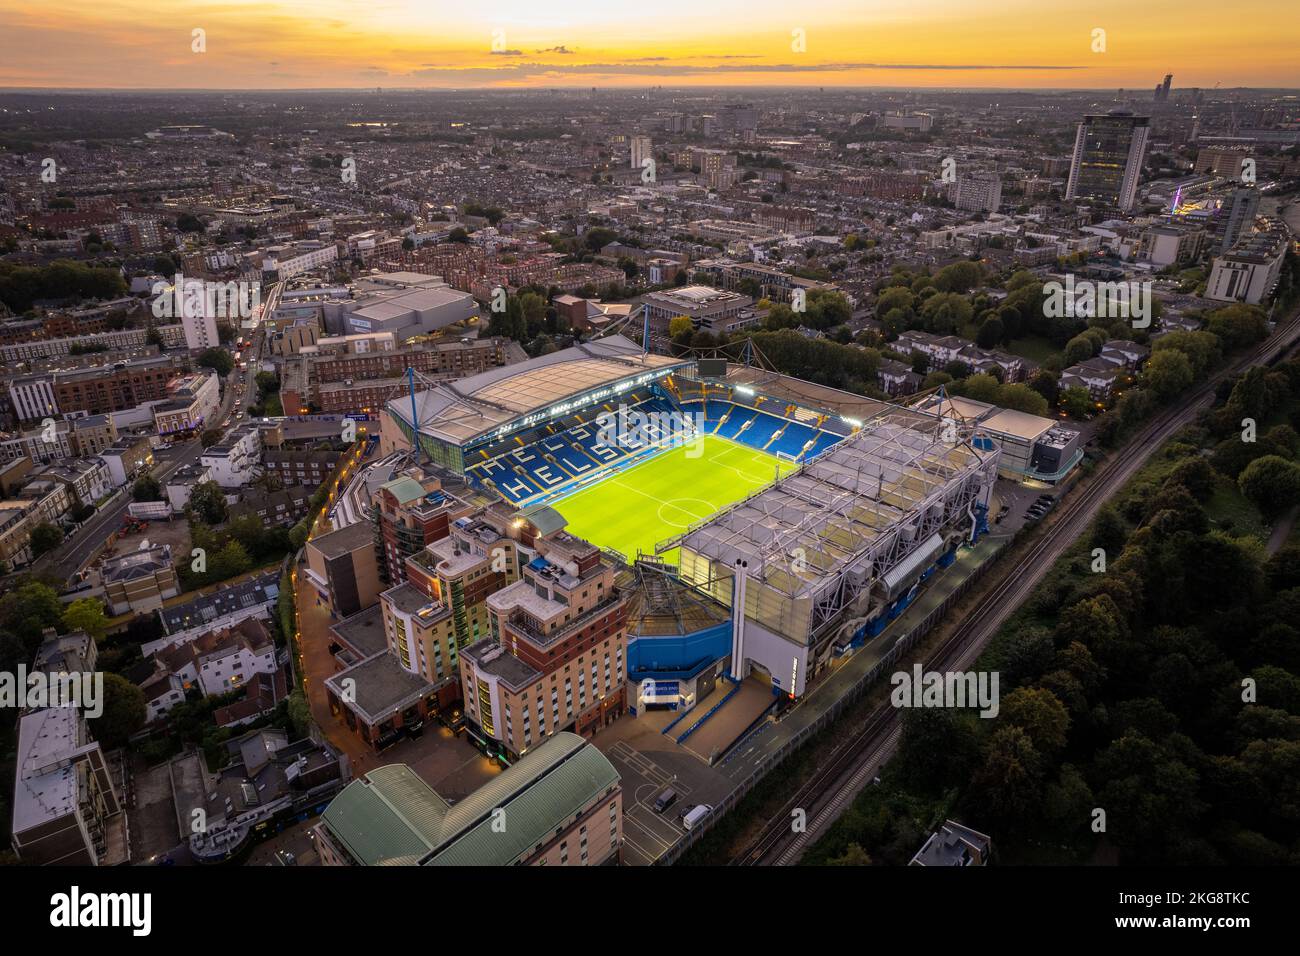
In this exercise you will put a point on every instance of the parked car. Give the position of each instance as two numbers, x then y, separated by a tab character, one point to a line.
665	800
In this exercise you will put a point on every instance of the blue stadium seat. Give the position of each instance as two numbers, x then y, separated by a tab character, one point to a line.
824	441
792	440
760	432
736	420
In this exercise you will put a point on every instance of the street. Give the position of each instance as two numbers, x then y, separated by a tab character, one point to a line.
71	556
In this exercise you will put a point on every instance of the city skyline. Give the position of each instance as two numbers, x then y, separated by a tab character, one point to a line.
289	44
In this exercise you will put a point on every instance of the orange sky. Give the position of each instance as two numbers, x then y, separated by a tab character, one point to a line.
271	44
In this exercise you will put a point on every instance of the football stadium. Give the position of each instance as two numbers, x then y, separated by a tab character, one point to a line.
818	511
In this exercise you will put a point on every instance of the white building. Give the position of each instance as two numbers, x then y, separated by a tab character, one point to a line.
193	406
1249	273
233	462
126	460
980	192
300	261
218	662
181	484
88	478
200	327
40	444
33	397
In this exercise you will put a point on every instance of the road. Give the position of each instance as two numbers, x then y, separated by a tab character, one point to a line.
69	558
833	787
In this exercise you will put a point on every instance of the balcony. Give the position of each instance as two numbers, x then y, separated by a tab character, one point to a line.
527	627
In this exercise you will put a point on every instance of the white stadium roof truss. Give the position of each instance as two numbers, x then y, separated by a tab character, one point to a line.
831	530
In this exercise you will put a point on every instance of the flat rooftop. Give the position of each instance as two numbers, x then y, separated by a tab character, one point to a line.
345	540
46	788
382	686
363	632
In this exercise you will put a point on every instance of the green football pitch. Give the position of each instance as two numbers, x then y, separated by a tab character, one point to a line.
661	497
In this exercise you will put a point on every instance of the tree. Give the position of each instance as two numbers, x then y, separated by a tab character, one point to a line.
1007	784
188	222
1077	402
938	746
1168	373
45	538
25	612
123	713
1271	483
1019	397
1201	348
217	359
86	614
959	277
208	503
146	488
300	713
1108	531
1068	800
1196	475
680	325
231	561
945	312
210	437
1045	384
853	855
1238	325
981	388
990	332
1040	714
298	534
1079	349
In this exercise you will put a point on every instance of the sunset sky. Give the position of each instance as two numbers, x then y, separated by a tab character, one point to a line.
280	44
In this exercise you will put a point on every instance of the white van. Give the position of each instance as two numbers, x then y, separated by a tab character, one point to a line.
696	815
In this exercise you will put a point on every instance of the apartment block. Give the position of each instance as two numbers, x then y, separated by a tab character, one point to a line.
556	657
343	567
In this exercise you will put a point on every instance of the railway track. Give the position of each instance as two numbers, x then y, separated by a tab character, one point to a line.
832	787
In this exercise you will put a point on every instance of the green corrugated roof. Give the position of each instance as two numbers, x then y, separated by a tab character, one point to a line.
390	817
544	518
553	783
404	489
394	818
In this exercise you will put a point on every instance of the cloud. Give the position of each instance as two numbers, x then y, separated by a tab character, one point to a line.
507	52
558	49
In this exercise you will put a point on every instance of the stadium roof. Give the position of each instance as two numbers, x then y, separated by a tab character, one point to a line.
1007	421
462	411
393	818
837	511
662	605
